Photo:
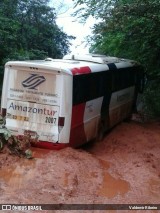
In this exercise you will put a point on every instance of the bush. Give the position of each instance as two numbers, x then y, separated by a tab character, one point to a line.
151	99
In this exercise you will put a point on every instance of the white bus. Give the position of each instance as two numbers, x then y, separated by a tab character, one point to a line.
69	101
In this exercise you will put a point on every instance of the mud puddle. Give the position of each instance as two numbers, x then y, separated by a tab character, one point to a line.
112	187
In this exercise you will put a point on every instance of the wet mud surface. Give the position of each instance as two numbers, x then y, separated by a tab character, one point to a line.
124	168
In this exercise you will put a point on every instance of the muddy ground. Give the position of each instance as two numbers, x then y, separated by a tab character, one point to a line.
124	168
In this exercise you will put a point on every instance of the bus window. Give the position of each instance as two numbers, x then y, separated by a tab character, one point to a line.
91	86
123	78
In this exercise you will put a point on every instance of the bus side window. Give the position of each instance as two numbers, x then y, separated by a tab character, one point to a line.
99	84
91	86
79	89
123	78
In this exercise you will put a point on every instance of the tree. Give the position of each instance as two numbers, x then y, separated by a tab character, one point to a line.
34	32
28	30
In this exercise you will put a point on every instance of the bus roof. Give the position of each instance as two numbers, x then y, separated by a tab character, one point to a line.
96	63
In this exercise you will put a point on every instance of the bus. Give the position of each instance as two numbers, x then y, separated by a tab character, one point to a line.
69	101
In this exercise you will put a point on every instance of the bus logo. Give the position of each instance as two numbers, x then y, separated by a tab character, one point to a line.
33	81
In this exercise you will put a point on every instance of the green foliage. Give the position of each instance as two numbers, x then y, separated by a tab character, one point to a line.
151	99
15	145
128	29
28	30
6	134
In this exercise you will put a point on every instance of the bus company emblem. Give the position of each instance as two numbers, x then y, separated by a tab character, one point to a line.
33	81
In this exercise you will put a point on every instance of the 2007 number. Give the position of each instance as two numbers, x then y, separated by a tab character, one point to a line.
50	120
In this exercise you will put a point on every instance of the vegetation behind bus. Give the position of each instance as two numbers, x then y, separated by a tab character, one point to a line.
129	29
28	30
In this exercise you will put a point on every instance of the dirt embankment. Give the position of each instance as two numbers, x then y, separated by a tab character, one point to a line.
124	168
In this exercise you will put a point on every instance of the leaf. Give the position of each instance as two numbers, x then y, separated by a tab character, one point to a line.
28	154
6	133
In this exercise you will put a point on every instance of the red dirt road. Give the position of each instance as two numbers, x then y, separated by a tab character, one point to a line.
124	168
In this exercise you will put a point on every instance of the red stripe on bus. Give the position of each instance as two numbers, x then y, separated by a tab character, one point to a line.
49	145
45	144
81	70
77	135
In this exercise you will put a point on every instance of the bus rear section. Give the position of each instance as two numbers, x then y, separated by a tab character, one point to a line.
31	101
